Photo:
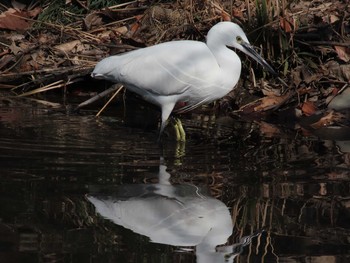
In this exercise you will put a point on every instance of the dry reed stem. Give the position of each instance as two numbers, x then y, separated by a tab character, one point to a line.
51	86
121	5
265	214
45	102
110	99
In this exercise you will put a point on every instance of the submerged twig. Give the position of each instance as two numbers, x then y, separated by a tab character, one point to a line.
45	102
98	96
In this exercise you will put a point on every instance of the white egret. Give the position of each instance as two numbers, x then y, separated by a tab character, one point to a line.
190	72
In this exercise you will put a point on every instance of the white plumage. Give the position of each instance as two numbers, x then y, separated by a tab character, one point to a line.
186	71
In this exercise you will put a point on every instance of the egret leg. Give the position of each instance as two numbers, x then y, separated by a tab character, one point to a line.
162	126
180	151
179	130
166	110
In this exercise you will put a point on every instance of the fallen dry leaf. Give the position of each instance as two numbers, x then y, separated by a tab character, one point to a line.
15	49
269	130
267	91
218	9
16	37
5	60
41	58
296	75
16	20
343	53
34	12
24	64
44	39
340	72
133	28
238	14
333	18
34	65
91	20
265	104
286	25
9	20
271	102
71	46
225	16
308	108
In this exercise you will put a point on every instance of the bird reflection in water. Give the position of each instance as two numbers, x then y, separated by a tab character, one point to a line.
174	215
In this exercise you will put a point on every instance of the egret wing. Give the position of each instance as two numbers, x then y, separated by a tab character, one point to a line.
166	69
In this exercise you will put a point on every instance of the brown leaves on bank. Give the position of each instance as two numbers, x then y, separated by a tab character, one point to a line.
306	41
14	19
264	104
44	52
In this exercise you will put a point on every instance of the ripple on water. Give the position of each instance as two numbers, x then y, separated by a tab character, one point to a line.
295	186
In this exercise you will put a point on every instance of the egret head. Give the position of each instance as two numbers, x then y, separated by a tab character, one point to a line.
104	69
232	36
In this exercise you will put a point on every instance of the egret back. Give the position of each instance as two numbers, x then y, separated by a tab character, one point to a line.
186	70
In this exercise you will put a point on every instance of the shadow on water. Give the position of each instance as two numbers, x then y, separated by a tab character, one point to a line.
84	189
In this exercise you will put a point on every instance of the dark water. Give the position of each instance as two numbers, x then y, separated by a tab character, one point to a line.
84	189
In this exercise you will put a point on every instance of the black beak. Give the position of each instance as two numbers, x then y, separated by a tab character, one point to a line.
249	50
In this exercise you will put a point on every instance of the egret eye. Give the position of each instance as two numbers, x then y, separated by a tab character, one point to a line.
239	39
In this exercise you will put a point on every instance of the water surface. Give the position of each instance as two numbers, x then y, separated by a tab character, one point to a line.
76	188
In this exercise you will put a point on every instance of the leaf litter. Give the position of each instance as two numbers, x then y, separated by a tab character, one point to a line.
307	41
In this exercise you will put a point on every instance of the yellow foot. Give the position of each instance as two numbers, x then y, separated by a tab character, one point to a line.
180	152
179	131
